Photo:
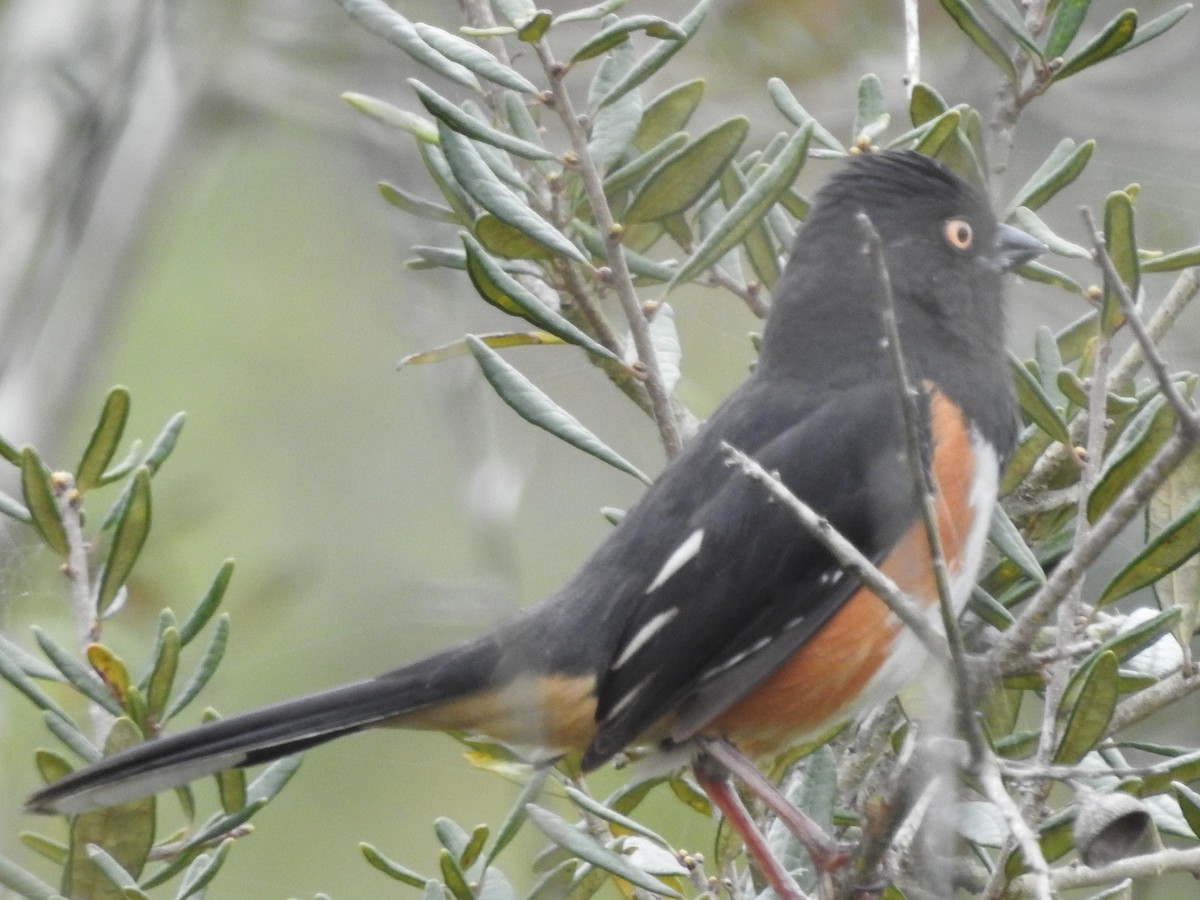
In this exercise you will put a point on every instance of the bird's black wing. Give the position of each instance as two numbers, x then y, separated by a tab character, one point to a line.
743	584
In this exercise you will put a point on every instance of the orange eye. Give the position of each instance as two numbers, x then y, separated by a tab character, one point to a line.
958	233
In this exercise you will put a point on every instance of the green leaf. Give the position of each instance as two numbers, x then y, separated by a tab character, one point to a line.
382	21
64	729
504	292
1062	166
208	604
750	209
14	510
461	204
471	56
941	130
1133	640
1134	448
969	22
162	676
133	527
619	31
1007	539
125	834
466	124
1178	542
482	184
613	125
536	408
871	109
1180	589
500	341
582	845
590	13
1036	228
1189	805
517	12
535	29
1121	244
1171	262
517	815
15	676
104	440
1090	700
162	447
52	766
24	883
925	104
758	244
1035	271
390	868
667	114
414	205
40	501
213	654
1035	404
393	117
786	102
1115	35
632	172
453	877
1010	19
659	56
80	676
205	868
231	788
505	241
589	805
1067	19
680	179
1152	29
9	452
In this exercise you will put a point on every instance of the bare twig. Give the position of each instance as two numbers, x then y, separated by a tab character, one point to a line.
1148	865
1020	771
844	552
1145	702
906	398
912	44
1174	303
622	280
1185	413
987	772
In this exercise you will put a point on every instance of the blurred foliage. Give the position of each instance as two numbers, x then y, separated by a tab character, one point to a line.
576	204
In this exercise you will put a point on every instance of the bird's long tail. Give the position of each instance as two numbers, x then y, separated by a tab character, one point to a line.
274	731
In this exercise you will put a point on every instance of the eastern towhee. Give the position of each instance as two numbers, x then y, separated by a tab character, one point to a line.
710	611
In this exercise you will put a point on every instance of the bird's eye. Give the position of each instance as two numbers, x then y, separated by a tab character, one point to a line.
958	233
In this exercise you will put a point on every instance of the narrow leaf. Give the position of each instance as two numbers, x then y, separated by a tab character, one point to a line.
1115	35
1121	243
677	182
619	31
1152	29
130	536
536	408
477	179
208	604
390	868
497	341
1165	552
635	169
582	845
1171	262
13	674
1067	19
383	21
870	104
158	453
659	56
162	676
41	503
1007	539
750	209
596	808
1133	449
614	124
104	439
14	510
1029	221
667	114
1010	19
79	675
504	292
1035	404
213	654
786	102
471	56
1089	711
1062	166
468	125
969	22
205	868
24	883
393	116
414	205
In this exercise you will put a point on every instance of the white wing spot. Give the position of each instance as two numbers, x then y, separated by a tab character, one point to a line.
683	554
629	697
649	630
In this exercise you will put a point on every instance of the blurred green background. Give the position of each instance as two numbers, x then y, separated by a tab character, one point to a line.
244	269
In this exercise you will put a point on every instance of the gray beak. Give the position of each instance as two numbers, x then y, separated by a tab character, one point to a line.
1015	248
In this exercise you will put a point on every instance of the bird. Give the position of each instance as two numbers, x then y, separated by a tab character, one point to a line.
710	621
